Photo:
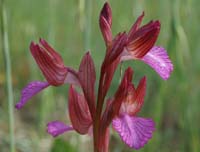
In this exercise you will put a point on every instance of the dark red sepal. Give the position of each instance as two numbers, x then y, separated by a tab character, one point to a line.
143	39
87	77
105	23
79	112
49	62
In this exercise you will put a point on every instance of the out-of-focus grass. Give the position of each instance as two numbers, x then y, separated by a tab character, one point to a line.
173	104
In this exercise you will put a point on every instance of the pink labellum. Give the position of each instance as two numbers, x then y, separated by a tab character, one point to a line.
50	62
79	112
134	131
143	39
158	59
56	128
87	78
29	91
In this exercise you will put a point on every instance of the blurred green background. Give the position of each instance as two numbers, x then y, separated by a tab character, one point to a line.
71	27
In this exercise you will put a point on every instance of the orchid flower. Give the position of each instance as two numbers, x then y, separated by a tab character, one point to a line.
53	69
86	110
140	43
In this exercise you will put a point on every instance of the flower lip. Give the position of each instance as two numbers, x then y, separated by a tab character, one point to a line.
49	62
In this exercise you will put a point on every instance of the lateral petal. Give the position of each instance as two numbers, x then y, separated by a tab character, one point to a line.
135	98
158	59
56	128
135	26
134	131
79	112
29	91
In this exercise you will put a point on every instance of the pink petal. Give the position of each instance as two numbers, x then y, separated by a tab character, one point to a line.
30	90
56	128
158	59
134	131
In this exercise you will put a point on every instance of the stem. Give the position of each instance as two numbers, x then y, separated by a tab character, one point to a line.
100	101
7	61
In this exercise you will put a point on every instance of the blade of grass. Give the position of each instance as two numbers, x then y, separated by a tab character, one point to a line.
7	60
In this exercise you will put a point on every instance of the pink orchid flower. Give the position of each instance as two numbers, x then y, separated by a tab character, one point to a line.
86	110
140	43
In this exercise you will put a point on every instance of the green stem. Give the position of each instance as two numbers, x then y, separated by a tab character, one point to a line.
7	61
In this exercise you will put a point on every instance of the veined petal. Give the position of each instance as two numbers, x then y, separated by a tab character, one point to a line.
79	112
113	105
135	98
116	50
49	62
105	30
134	131
158	59
56	128
87	78
105	22
135	26
106	12
143	39
30	90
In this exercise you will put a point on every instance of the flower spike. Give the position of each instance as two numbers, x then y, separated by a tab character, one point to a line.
91	114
